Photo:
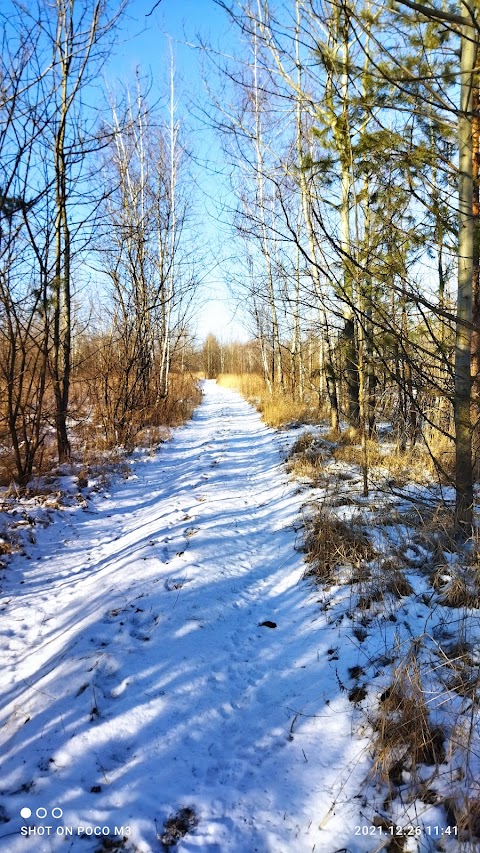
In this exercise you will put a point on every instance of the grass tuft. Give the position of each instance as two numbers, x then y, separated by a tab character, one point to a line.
404	733
306	460
457	587
331	542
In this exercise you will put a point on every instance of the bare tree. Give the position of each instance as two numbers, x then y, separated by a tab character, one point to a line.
144	257
26	93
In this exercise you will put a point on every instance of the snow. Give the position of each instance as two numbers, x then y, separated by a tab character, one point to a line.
138	679
162	651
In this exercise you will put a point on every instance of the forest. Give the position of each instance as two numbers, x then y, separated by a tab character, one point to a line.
347	155
351	132
352	142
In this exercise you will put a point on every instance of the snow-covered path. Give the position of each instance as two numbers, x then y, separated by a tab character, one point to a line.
137	678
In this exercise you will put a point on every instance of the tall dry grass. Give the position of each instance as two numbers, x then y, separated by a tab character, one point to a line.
249	385
430	460
277	408
405	734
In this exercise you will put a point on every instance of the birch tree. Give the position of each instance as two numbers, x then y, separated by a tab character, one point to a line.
144	256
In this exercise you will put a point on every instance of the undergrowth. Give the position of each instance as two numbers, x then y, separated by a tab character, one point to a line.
393	573
331	543
307	458
277	408
92	465
94	442
387	461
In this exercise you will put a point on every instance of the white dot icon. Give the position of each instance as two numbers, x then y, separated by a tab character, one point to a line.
25	812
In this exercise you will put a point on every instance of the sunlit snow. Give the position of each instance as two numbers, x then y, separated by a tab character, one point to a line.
137	677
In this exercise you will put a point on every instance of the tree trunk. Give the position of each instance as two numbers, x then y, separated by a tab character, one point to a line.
475	343
276	374
62	322
462	397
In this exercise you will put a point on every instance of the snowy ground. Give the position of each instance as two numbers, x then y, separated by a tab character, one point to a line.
137	677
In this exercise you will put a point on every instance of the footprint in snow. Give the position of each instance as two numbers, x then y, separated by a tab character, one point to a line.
174	583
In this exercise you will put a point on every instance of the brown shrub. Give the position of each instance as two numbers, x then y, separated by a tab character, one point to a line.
249	385
386	579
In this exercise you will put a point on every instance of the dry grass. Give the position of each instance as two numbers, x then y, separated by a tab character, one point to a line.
457	587
304	443
400	468
250	385
277	409
439	454
347	437
462	806
331	543
306	460
397	584
386	580
467	819
465	683
404	734
425	527
7	544
433	457
416	713
307	467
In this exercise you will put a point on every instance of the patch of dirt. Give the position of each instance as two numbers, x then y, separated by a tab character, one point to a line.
177	826
357	694
109	843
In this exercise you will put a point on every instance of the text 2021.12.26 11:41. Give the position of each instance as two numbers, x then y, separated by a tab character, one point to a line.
407	831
